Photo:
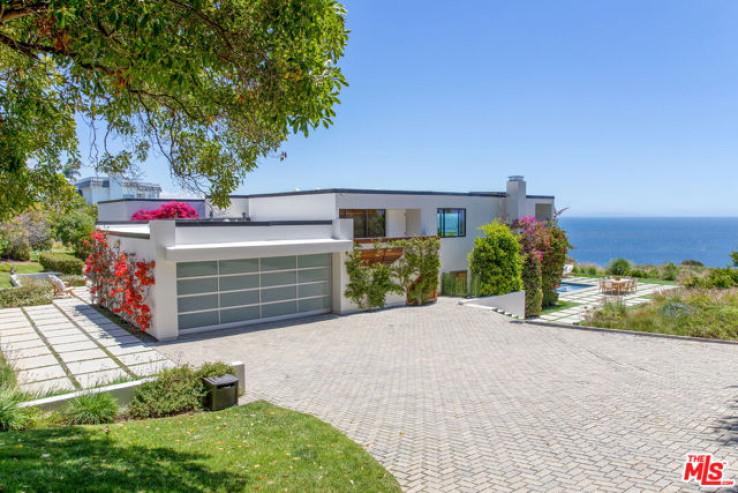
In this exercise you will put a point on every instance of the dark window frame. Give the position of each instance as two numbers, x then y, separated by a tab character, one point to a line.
343	214
460	224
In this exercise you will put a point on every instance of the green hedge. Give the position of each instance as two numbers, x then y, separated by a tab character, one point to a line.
61	262
33	292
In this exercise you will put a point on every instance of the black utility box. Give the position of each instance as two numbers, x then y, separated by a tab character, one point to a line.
222	392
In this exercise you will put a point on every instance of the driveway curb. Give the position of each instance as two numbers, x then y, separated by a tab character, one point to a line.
624	332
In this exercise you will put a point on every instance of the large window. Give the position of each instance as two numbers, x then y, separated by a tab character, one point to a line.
368	223
451	223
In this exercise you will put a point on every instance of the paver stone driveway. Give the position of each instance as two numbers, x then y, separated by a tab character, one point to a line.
453	398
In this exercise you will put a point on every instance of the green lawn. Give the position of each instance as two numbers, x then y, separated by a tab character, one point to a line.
561	305
20	268
258	446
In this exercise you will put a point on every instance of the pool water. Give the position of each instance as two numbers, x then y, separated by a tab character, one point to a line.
567	287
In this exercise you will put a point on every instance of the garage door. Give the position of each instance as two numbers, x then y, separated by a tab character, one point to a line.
230	292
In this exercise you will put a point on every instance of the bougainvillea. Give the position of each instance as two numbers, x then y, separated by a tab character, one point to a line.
120	282
545	244
170	210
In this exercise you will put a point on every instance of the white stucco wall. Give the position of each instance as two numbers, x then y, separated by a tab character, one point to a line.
309	207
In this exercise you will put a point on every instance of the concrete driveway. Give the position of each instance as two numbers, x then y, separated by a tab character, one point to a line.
453	398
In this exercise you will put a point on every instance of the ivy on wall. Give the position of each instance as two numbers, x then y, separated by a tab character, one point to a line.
120	282
414	273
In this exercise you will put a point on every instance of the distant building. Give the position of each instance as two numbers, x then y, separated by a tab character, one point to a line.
98	189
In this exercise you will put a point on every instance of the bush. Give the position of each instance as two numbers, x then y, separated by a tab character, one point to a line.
7	374
61	262
90	409
33	292
725	278
619	267
592	271
12	417
692	263
15	244
175	391
640	273
73	280
670	272
533	286
554	259
74	231
496	261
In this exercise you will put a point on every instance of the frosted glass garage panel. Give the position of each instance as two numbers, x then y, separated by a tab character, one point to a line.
239	314
314	304
203	319
279	294
233	283
278	309
197	286
196	303
278	279
320	260
197	269
239	266
313	275
278	263
239	298
311	290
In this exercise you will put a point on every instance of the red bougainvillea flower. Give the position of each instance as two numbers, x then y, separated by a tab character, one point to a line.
170	210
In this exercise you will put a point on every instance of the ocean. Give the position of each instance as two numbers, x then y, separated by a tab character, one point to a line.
652	240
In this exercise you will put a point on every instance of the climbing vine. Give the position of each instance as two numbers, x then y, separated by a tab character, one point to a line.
120	282
414	273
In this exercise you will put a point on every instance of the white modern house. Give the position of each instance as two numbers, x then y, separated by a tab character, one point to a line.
96	189
277	256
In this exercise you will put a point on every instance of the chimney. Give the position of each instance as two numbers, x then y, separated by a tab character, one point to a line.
515	202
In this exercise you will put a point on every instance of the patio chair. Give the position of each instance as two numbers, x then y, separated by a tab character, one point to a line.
61	290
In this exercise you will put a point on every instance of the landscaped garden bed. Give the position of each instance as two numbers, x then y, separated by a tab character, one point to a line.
708	313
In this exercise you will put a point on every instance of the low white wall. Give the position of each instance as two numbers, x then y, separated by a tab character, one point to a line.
513	303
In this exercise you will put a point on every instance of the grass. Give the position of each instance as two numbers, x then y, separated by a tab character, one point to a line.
560	305
711	314
20	268
258	446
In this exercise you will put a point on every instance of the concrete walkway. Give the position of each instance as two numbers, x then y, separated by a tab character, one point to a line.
451	398
68	345
590	297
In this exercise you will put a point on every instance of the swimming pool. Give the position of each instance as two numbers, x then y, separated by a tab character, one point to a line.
567	287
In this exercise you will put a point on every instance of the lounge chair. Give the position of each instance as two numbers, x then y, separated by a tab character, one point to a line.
61	290
568	269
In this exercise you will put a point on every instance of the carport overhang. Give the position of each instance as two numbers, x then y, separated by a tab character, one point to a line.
255	249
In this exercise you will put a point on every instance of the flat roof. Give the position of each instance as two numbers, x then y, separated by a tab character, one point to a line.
370	191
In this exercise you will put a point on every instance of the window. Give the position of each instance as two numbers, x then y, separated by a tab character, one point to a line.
368	223
451	223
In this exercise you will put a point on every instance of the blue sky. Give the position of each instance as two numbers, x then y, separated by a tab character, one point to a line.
618	107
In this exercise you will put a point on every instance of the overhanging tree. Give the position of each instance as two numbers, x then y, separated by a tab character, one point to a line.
212	85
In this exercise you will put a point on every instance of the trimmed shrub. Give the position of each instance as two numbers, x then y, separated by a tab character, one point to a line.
74	231
175	391
619	267
640	273
592	271
554	259
73	280
215	369
533	286
12	417
91	409
496	261
32	293
61	262
692	263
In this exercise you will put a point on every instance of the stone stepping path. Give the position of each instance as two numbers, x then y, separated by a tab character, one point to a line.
590	297
69	345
